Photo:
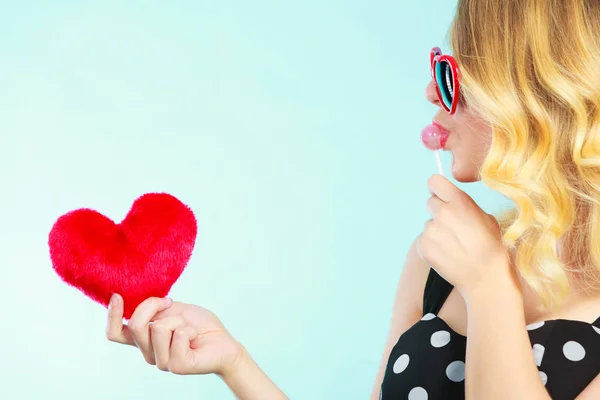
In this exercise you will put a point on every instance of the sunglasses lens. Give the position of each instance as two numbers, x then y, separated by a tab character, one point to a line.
443	73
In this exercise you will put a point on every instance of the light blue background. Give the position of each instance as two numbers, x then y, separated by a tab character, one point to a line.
291	129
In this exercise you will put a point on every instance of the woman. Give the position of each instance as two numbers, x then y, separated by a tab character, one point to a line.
520	103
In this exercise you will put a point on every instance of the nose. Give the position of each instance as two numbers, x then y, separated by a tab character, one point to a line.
431	94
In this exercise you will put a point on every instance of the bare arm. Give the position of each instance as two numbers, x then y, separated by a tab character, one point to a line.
407	308
248	382
499	362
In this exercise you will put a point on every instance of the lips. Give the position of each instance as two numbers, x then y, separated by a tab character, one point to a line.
444	132
434	136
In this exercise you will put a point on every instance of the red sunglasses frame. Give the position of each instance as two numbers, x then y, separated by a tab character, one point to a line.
436	56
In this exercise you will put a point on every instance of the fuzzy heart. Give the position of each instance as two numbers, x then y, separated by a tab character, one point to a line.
141	257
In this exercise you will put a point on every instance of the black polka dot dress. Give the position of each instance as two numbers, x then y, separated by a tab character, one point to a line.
428	361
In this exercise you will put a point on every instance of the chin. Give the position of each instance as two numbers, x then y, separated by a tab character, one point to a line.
465	179
464	173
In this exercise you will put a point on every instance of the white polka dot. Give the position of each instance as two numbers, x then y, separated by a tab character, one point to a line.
538	353
596	329
401	363
573	351
536	325
456	371
428	316
418	393
440	339
544	377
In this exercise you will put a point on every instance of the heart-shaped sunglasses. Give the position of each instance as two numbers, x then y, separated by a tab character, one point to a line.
445	72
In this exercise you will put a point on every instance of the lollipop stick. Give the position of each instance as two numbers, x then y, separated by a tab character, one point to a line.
439	162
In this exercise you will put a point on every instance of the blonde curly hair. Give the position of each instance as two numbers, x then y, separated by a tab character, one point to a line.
532	69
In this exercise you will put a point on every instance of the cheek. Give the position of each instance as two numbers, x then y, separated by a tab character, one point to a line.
485	140
481	143
476	137
469	153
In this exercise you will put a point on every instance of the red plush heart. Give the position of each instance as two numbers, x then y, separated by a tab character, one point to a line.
138	258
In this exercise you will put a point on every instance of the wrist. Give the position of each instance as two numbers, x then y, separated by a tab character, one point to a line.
494	297
238	363
248	382
500	286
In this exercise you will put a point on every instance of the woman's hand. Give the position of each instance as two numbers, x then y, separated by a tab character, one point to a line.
177	337
462	242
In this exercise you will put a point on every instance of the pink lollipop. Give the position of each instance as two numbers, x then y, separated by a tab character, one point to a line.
434	138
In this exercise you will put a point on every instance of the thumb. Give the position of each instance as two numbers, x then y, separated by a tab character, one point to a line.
182	356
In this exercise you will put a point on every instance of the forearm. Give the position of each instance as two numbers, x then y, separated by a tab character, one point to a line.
248	382
499	361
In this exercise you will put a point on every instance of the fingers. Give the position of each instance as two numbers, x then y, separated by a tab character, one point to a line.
182	357
162	333
441	187
139	325
434	205
115	331
429	243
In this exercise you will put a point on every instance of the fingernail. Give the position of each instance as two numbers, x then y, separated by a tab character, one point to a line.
168	301
113	301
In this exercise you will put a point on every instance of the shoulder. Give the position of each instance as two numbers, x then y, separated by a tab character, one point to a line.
407	307
413	279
